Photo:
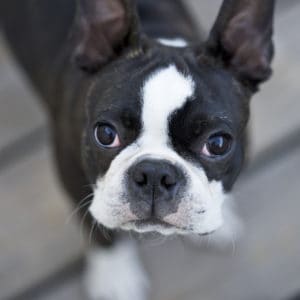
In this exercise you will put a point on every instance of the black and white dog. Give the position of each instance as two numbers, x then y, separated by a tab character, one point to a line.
145	113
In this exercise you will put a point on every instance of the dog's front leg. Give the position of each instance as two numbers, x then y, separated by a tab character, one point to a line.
116	273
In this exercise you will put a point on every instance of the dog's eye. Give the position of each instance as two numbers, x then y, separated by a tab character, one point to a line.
106	136
217	145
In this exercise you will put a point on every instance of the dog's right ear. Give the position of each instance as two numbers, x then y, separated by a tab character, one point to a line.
102	28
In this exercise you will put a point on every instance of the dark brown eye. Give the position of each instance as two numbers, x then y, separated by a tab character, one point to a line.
106	136
217	145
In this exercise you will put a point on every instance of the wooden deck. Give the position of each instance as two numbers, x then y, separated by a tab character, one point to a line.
41	250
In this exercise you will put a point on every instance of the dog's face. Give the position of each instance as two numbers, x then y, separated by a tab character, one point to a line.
164	146
165	129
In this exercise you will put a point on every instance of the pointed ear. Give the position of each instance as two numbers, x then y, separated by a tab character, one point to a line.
242	37
102	28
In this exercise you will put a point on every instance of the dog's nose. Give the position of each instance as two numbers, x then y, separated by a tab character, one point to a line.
155	180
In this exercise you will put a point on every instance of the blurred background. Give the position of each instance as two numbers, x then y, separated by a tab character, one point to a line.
41	248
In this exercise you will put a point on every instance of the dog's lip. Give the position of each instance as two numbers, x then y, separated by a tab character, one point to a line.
155	222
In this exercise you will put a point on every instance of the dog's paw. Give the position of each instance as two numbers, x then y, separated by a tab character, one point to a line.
116	274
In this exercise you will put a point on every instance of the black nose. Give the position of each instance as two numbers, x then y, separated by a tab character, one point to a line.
155	181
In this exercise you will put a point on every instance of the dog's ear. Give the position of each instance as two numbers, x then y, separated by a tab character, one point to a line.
242	38
102	28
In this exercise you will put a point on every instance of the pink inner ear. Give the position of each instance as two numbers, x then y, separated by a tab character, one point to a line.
246	47
102	26
112	18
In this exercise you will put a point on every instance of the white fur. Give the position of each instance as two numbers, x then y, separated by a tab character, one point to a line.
232	229
177	43
116	274
228	234
163	93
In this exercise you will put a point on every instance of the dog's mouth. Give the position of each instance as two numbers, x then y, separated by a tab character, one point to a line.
152	222
155	225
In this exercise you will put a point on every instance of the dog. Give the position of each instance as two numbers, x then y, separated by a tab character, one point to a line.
148	119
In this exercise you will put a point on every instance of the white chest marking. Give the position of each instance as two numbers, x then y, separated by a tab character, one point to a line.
116	273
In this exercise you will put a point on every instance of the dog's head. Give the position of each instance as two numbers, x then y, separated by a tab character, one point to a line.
165	126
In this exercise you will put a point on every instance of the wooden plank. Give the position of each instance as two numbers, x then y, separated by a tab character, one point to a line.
205	11
69	290
20	110
35	240
275	110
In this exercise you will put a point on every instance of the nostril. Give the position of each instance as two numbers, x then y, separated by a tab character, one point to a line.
140	178
168	182
156	178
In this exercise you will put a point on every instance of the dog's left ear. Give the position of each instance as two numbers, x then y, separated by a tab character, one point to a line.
242	37
102	28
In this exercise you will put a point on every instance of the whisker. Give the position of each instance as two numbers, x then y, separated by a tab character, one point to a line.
104	232
79	207
92	231
82	224
76	210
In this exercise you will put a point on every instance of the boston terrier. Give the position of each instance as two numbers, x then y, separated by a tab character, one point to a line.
148	118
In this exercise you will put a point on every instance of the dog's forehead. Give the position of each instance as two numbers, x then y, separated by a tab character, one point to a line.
165	91
161	89
154	89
